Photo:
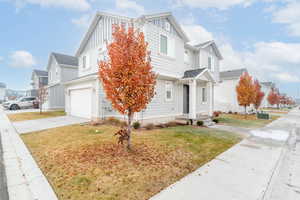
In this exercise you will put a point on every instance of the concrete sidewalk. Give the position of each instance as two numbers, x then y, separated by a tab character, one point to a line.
25	181
46	123
244	172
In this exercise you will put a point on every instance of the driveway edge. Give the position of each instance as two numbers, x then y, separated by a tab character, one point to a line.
25	180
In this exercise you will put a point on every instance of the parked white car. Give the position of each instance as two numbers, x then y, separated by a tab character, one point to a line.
23	102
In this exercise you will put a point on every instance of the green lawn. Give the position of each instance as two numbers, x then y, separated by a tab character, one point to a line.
34	115
85	163
250	121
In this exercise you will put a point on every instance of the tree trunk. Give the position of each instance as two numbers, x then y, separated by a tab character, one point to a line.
129	130
245	112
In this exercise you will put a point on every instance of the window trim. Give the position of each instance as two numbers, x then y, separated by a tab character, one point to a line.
162	53
171	85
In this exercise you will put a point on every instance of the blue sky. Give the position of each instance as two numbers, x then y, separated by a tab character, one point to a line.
262	35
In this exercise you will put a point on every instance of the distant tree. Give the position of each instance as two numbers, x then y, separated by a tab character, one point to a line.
273	97
127	76
245	91
42	97
259	95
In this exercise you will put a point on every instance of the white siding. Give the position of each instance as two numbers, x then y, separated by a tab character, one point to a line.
202	107
226	97
55	77
203	61
56	97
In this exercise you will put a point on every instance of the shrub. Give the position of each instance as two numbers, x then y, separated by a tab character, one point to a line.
149	126
215	120
200	123
216	113
230	112
235	113
136	125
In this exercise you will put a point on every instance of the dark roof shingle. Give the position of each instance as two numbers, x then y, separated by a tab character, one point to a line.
193	73
63	59
232	73
40	72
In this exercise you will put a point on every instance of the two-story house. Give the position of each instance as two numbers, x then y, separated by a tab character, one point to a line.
225	91
61	68
39	78
266	87
186	73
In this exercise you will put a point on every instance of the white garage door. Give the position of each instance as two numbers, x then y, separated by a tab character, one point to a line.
81	103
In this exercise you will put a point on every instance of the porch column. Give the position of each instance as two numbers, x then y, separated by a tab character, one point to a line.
193	101
211	98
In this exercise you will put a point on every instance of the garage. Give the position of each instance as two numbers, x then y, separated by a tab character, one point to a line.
81	103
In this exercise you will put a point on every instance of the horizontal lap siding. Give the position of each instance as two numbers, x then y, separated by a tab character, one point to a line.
157	107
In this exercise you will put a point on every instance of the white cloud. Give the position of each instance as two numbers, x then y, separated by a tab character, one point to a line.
80	5
1	58
130	5
219	4
22	59
290	16
287	77
197	33
84	21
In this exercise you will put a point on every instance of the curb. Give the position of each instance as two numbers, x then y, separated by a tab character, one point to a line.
25	180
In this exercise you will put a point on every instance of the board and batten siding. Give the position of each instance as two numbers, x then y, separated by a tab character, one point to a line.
56	94
96	41
55	77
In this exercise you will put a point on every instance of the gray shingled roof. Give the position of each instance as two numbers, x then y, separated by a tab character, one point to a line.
2	85
40	72
193	73
232	73
63	59
267	83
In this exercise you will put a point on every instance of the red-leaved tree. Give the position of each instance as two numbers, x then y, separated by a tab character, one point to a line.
259	95
273	97
245	91
127	76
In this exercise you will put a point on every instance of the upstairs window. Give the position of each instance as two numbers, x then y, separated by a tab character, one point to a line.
169	91
168	26
56	71
164	44
211	63
204	95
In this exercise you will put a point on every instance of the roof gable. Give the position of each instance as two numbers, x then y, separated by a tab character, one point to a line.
172	20
213	45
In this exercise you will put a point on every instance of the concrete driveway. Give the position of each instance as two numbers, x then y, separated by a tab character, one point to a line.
46	123
21	111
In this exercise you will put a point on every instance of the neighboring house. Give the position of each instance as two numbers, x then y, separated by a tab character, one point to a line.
225	91
2	92
39	78
61	68
186	74
266	87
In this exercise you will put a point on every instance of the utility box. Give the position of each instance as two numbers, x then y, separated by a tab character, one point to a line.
263	116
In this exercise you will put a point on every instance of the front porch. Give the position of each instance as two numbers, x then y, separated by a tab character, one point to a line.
198	95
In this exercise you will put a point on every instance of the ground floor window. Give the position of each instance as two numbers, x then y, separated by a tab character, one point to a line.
169	91
204	95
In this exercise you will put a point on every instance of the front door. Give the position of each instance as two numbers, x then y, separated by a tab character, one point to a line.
186	99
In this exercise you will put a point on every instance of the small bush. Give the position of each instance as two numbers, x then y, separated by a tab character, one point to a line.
216	121
149	126
230	112
113	121
217	113
200	123
136	125
235	113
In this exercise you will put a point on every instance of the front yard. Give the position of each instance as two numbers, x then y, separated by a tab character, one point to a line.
250	121
34	115
85	163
